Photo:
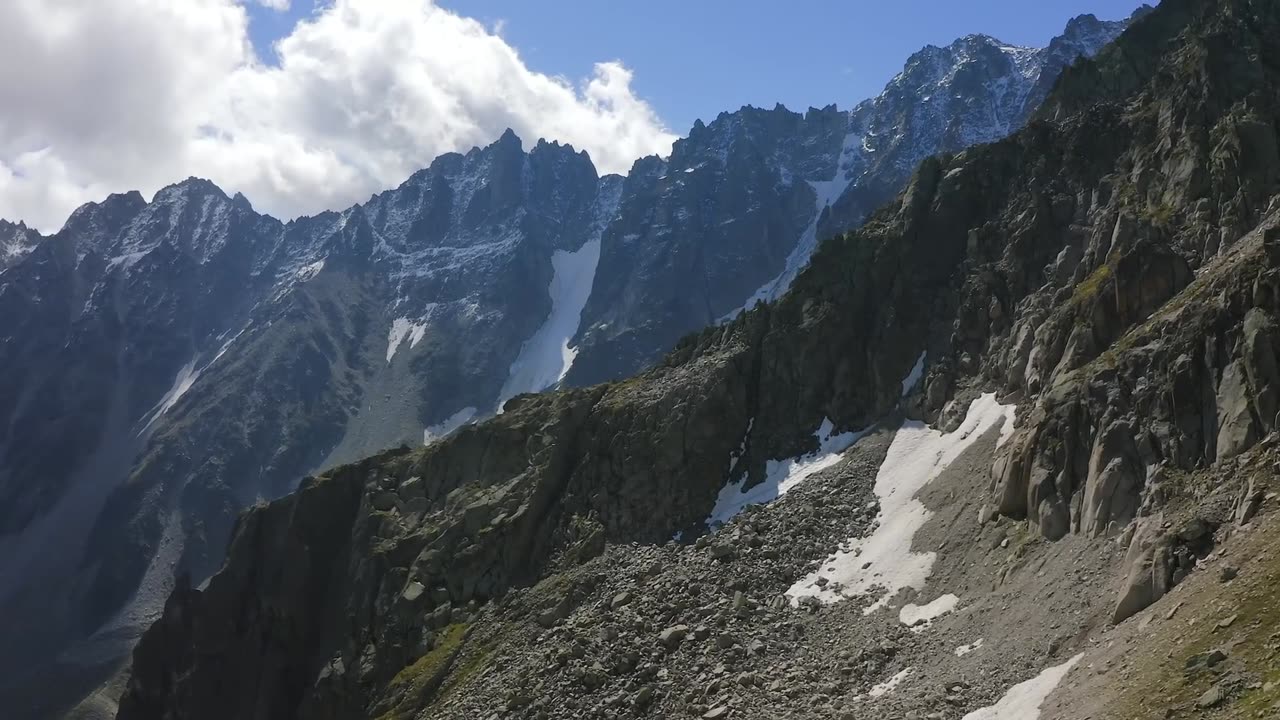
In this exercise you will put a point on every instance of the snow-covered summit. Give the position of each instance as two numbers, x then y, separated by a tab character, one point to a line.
16	241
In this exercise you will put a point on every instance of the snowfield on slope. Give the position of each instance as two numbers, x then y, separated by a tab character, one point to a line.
826	192
889	685
913	378
918	617
1023	700
883	563
448	425
401	329
545	358
182	382
782	475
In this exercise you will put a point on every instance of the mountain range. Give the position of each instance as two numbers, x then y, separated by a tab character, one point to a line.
167	364
1007	450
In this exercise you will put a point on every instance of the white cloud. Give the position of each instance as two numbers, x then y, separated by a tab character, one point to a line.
280	5
136	94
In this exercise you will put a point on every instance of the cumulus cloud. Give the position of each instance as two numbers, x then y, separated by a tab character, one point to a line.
135	94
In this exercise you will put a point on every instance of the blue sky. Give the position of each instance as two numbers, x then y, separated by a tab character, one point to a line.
695	58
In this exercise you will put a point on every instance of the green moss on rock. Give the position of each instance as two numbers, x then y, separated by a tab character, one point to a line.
412	684
1089	288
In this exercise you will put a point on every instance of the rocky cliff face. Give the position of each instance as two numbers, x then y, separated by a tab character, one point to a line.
103	325
698	233
168	363
1106	275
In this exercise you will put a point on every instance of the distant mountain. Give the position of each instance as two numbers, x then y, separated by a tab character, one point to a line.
168	363
165	364
15	242
737	210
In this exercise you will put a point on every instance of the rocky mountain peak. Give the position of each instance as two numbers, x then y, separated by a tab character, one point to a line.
93	221
509	138
1087	29
187	213
1085	36
193	188
975	90
242	202
16	241
544	142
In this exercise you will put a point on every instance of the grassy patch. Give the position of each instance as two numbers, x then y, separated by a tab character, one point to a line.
1260	615
1159	215
413	682
467	669
1089	287
447	643
1252	644
1254	702
1022	537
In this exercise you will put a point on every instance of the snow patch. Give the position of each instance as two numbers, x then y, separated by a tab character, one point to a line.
126	260
782	475
966	649
403	328
15	248
226	345
182	382
742	448
448	425
888	685
883	562
186	377
545	358
307	272
913	378
826	192
921	616
1023	700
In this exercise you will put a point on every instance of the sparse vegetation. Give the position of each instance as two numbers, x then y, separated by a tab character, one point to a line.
1250	643
466	670
1089	288
415	681
1159	215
